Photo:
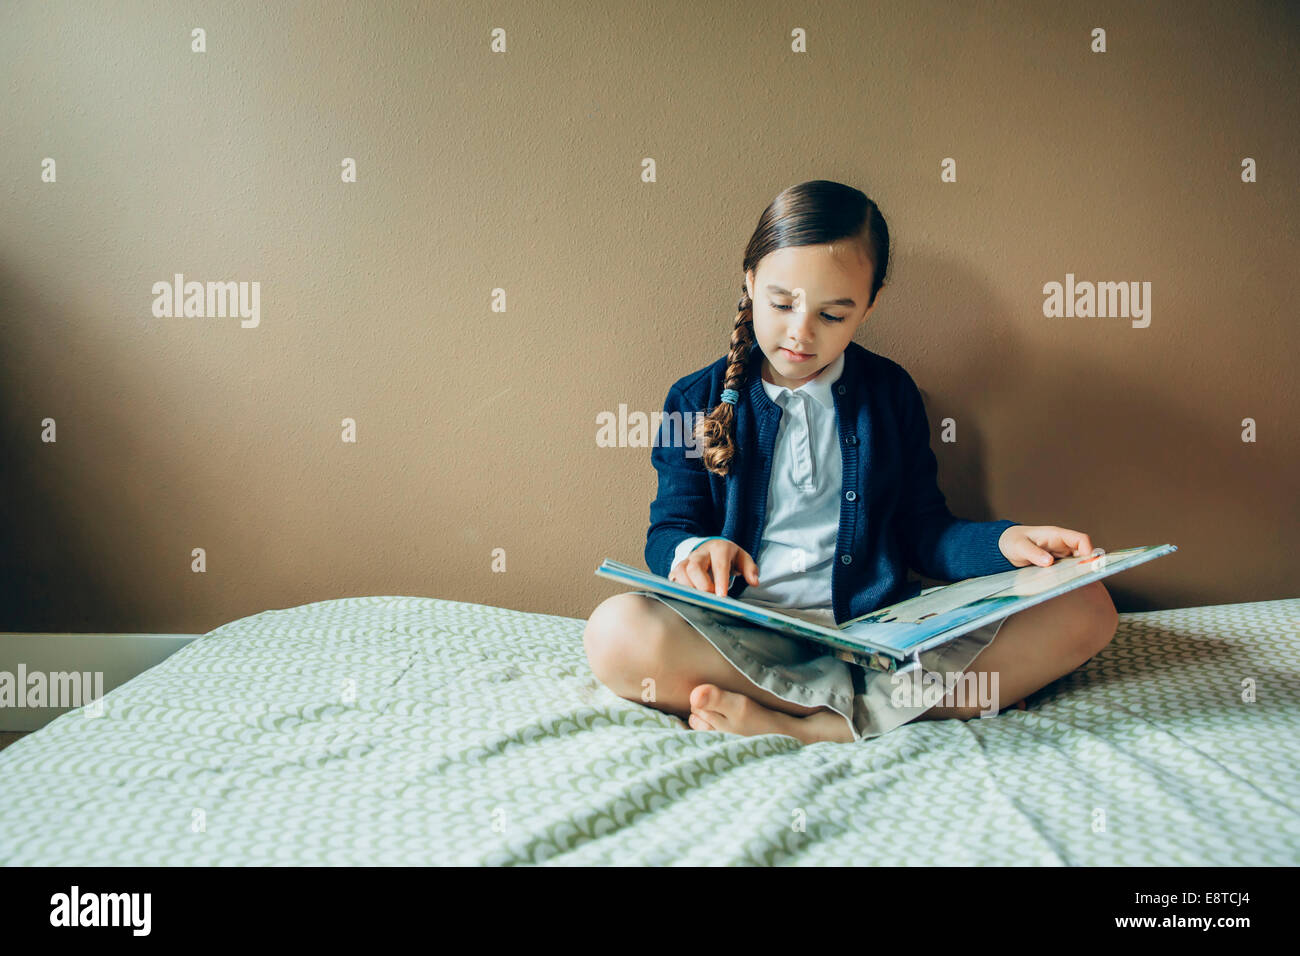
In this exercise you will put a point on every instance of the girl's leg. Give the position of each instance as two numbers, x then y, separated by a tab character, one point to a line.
643	650
1037	646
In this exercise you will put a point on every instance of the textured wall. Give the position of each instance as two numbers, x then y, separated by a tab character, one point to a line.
522	170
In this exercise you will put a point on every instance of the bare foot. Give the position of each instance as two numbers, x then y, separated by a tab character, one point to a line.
713	708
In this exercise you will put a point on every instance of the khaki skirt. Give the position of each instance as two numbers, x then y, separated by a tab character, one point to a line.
809	674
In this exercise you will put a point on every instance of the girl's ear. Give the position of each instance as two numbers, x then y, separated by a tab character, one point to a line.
876	301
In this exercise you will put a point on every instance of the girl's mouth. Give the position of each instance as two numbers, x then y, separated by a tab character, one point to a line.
795	356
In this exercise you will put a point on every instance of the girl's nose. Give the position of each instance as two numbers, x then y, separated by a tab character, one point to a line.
800	329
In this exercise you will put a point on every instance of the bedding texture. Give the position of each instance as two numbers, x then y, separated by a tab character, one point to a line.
406	730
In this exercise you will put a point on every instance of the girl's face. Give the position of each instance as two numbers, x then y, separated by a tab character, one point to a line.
809	302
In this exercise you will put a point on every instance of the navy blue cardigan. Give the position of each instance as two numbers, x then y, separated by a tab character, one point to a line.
892	514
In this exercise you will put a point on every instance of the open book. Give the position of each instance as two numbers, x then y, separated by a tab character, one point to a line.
895	635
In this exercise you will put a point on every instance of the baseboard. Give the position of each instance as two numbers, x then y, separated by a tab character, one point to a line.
112	659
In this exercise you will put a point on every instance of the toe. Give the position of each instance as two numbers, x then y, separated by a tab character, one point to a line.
733	708
704	697
698	723
720	721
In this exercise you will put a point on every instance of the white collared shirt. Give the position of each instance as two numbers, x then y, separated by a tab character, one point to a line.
803	499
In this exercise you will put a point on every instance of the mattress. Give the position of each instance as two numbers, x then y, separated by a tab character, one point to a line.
408	730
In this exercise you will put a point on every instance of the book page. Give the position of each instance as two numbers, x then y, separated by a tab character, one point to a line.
938	602
824	617
1017	582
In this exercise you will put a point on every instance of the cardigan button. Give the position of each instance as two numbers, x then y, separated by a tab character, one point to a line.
851	496
841	389
851	440
846	559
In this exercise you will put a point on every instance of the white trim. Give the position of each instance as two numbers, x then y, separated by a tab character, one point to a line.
119	657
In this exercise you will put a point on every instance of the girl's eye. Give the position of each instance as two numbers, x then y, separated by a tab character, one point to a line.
827	316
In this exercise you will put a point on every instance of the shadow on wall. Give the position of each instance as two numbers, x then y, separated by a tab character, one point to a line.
1096	451
66	540
44	541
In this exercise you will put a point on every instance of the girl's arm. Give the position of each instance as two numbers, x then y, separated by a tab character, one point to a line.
683	507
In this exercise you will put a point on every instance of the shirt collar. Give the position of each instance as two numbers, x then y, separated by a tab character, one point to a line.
819	388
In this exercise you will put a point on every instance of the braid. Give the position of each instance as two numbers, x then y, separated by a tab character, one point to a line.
715	433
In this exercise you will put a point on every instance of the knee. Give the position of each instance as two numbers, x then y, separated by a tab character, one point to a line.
622	640
1096	621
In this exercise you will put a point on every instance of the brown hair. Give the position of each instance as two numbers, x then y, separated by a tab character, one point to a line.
814	213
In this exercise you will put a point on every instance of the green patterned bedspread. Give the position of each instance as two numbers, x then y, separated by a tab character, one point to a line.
403	730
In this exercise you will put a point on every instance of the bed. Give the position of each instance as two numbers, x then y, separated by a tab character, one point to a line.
407	730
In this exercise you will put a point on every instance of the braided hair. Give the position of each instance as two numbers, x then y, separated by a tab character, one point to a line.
817	212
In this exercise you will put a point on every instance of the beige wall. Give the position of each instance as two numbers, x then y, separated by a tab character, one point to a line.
522	171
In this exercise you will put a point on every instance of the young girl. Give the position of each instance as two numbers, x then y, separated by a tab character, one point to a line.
812	477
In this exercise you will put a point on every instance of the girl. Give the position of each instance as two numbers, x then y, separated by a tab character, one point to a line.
814	466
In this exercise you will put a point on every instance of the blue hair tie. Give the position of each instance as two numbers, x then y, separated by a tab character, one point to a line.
730	396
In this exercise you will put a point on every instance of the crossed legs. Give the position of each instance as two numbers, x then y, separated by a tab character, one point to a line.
1037	646
644	651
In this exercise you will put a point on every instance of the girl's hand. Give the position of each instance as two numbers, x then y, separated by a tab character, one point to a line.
1024	544
717	555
